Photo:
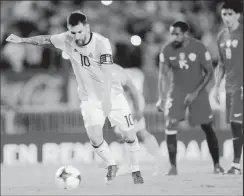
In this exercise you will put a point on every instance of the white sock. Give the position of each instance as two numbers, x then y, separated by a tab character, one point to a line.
134	150
104	152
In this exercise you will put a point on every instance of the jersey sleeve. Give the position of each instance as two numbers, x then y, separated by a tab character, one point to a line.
58	40
204	55
106	56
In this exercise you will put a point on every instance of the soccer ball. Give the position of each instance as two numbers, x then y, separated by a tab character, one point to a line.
68	177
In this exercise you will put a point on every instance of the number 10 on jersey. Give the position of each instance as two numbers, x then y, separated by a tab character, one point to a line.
129	120
84	61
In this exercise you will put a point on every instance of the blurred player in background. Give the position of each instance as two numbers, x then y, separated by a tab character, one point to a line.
132	80
185	70
230	46
90	54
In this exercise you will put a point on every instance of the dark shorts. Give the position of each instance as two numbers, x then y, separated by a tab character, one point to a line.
199	112
234	106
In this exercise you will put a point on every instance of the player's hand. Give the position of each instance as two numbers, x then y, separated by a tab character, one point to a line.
190	98
14	39
160	105
216	95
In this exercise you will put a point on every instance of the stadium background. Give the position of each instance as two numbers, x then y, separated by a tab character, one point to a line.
40	115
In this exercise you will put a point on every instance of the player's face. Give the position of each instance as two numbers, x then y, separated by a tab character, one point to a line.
177	36
230	18
80	33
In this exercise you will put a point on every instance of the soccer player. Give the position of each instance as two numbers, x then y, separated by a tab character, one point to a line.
132	80
90	53
185	70
230	47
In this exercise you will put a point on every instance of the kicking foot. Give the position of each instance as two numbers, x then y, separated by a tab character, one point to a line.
111	174
137	178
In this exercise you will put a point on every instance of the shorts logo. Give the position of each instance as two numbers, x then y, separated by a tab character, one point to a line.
192	56
228	43
235	43
222	45
90	55
237	115
172	58
207	56
161	57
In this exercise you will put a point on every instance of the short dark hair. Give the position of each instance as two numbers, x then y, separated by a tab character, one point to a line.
76	17
182	25
236	6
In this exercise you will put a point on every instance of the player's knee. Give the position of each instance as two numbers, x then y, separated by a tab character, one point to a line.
95	135
129	137
95	141
172	124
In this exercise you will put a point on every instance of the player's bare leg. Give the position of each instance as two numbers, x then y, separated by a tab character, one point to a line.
101	147
171	140
133	148
237	146
213	146
152	147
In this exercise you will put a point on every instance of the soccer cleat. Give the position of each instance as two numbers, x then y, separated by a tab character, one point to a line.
172	172
111	174
234	171
137	178
218	169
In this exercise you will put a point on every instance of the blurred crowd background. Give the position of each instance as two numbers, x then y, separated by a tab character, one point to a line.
32	75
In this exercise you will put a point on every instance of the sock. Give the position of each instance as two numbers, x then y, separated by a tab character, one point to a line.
212	141
152	146
172	146
237	140
134	149
104	152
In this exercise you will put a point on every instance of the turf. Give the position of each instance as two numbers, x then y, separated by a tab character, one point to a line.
195	178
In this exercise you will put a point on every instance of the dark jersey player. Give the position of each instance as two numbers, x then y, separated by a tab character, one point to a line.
185	70
230	46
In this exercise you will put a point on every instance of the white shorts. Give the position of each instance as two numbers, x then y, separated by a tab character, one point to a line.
138	126
119	115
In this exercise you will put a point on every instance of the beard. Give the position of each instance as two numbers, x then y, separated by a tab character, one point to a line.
176	44
79	42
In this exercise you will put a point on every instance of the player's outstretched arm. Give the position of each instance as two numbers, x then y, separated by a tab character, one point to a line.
36	40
